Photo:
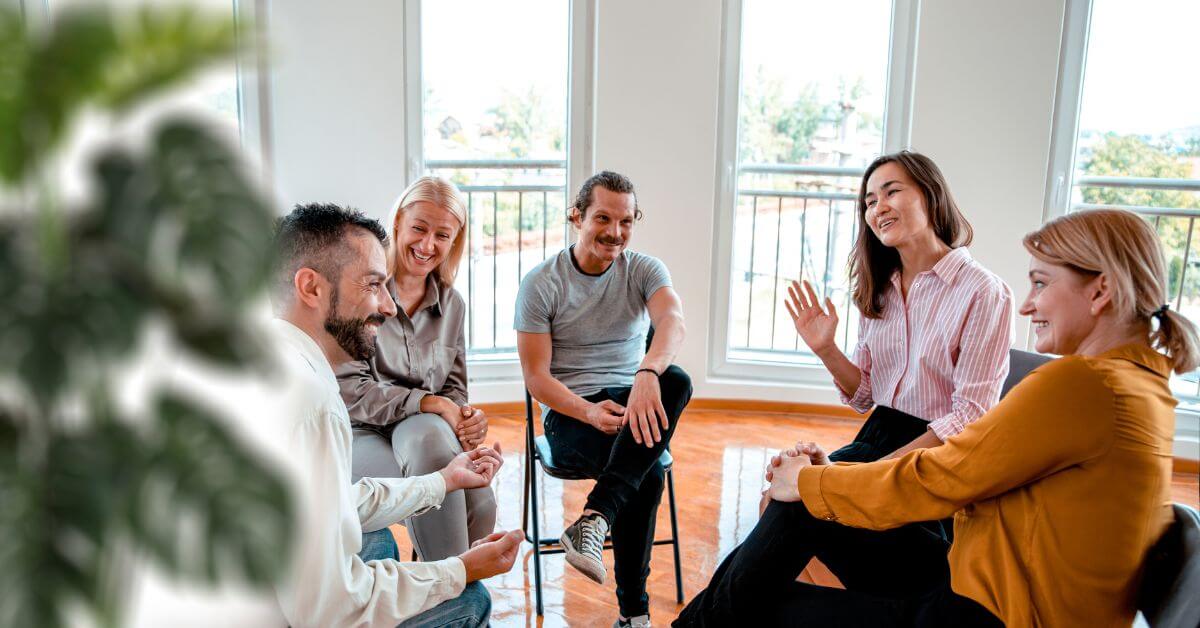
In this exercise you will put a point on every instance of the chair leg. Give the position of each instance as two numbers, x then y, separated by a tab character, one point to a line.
535	539
675	536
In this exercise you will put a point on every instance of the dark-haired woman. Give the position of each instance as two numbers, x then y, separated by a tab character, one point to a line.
932	352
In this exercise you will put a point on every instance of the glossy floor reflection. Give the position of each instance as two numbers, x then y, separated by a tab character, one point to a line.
719	459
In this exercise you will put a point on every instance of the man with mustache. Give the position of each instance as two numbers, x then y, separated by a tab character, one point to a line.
329	301
611	403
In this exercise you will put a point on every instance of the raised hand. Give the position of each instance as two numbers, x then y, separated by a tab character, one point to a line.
607	416
473	469
816	326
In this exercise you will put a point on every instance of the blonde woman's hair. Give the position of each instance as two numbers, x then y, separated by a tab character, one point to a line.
1124	248
444	194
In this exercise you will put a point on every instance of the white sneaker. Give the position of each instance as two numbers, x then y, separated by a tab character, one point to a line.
641	621
584	545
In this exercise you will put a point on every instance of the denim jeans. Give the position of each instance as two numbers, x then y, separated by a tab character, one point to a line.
471	609
629	481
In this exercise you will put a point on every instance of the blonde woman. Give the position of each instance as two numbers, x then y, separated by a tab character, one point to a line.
408	404
1057	492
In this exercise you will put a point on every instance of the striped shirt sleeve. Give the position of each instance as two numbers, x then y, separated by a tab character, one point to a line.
982	363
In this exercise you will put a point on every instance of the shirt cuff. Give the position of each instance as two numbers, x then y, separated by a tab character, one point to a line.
433	492
809	485
457	572
412	405
861	401
947	426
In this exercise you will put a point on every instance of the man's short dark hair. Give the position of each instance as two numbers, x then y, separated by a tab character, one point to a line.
611	181
313	236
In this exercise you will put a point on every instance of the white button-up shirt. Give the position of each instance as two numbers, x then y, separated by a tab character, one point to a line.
327	583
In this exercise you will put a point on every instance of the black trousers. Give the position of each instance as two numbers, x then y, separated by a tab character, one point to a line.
629	481
896	577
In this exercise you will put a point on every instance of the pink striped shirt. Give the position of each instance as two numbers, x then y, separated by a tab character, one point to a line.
943	355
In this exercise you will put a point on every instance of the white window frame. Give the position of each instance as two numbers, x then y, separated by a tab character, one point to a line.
897	126
581	68
1068	101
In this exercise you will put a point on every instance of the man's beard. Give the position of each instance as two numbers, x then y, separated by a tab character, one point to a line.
351	333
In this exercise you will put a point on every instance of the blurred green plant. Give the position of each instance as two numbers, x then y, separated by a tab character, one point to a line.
175	235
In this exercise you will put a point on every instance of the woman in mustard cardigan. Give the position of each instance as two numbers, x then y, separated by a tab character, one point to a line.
1057	492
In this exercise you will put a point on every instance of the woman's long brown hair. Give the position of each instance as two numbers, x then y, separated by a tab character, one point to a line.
872	264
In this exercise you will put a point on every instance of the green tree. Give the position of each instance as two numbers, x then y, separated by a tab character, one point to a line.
775	128
176	235
1134	156
523	121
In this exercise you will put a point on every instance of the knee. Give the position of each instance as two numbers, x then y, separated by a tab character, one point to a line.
427	442
676	384
654	479
479	602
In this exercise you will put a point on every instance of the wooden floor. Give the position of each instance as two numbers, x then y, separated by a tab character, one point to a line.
719	459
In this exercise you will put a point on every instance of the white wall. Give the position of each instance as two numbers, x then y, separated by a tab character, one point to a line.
337	94
983	109
983	102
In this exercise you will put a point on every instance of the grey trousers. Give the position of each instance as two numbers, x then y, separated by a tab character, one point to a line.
424	443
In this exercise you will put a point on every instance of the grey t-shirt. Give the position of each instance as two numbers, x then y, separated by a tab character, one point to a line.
597	323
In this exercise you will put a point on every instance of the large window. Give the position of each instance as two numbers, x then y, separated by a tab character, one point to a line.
1134	142
495	85
814	86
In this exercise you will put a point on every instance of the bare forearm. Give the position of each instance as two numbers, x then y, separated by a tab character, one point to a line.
845	373
668	337
553	393
924	441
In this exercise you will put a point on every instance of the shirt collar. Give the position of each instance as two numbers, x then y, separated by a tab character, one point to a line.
432	299
306	347
947	267
1143	355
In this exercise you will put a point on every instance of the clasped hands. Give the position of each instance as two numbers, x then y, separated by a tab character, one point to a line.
470	424
644	414
783	470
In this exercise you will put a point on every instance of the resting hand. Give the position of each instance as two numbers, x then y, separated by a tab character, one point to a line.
607	416
816	455
645	410
472	427
816	327
473	469
492	555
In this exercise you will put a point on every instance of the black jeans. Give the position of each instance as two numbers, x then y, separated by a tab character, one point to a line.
894	577
629	481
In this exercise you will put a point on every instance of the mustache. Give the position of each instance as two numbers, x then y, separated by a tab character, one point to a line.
376	318
610	241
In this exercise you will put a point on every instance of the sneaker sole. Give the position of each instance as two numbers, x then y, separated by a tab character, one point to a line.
581	563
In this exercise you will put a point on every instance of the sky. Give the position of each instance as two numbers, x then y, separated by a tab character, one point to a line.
1141	74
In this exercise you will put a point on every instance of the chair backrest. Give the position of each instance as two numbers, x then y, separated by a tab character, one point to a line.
1171	577
1020	363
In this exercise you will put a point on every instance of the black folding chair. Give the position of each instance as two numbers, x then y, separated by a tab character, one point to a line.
537	450
1171	577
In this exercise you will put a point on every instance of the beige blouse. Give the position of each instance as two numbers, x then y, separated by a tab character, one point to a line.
418	356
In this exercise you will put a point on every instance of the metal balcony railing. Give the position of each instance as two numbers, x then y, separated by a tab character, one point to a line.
781	234
1184	282
516	215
